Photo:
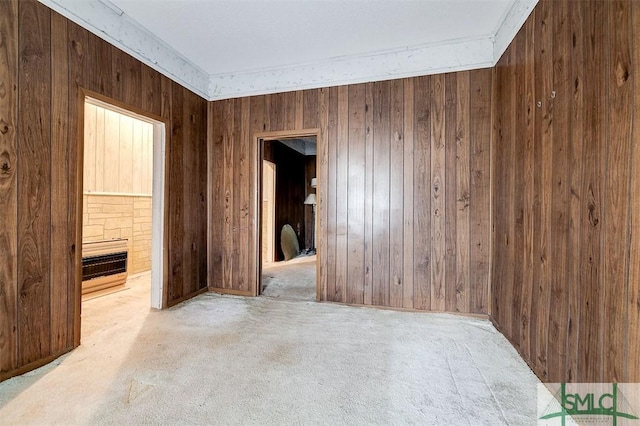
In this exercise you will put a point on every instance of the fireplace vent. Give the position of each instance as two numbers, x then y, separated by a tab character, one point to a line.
104	264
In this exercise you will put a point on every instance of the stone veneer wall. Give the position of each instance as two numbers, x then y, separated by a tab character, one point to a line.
120	216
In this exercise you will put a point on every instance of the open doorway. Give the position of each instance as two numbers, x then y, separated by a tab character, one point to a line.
123	157
288	216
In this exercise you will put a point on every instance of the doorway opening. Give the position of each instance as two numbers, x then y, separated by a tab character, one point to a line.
287	194
122	209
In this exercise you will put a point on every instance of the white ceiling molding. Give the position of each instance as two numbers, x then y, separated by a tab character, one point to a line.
109	23
450	56
507	30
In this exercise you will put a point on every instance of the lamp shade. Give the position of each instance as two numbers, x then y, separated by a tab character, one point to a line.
313	182
311	199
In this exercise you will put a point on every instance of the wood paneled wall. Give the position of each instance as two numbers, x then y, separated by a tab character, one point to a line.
44	60
566	199
118	152
289	207
403	179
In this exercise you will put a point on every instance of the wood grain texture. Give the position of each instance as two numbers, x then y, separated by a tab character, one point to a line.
356	195
342	195
62	278
396	195
450	187
46	64
380	195
462	194
322	164
632	370
407	192
575	206
480	95
376	240
34	183
438	193
558	309
617	188
574	101
8	187
421	195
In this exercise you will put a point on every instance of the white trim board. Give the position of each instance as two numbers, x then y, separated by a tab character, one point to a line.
114	26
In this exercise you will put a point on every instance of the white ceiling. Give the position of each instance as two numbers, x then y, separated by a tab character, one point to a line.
229	48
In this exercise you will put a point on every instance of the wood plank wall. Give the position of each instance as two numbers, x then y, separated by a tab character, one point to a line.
118	152
290	187
44	59
404	169
566	199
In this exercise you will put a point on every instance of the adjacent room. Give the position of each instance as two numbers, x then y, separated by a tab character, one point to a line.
289	218
355	212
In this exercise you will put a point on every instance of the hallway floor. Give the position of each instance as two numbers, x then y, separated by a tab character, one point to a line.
268	361
294	279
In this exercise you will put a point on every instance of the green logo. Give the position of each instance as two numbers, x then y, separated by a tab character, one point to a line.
588	403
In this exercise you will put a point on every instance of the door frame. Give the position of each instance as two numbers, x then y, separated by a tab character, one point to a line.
272	208
160	196
258	143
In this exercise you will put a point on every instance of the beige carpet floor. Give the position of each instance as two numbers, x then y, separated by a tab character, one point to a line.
294	279
268	361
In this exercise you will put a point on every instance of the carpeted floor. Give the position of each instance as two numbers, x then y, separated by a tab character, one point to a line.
268	361
294	279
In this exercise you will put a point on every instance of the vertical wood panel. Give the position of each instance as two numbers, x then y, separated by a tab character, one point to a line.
186	193
408	188
245	198
633	344
125	153
356	195
438	193
450	187
234	214
8	186
377	211
151	99
111	171
575	218
381	143
529	192
100	156
520	147
558	309
462	194
578	318
77	54
342	195
34	182
396	201
174	181
215	155
480	127
332	189
322	190
100	62
61	276
617	193
311	105
368	200
228	194
421	195
594	153
544	33
256	110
